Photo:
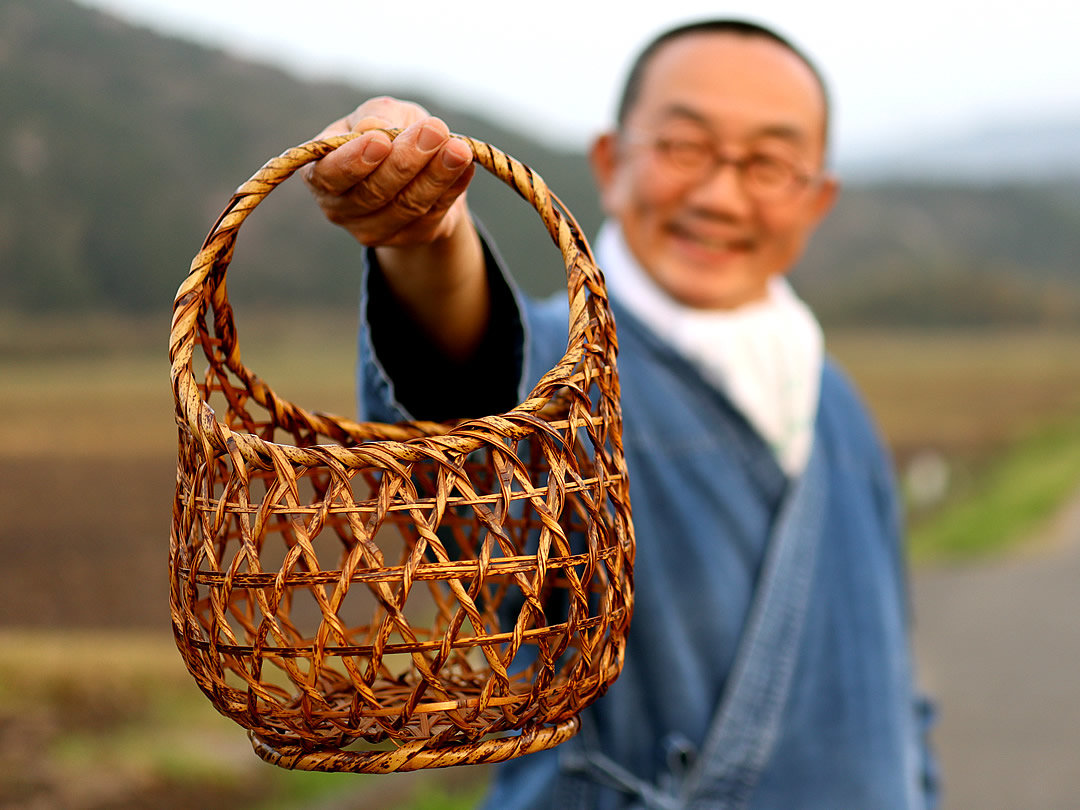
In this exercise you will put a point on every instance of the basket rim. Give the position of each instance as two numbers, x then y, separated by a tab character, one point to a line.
414	756
196	297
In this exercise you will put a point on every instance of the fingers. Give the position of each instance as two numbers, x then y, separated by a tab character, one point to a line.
392	191
356	159
402	222
423	164
349	164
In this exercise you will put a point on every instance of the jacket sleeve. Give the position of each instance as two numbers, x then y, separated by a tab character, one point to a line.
402	376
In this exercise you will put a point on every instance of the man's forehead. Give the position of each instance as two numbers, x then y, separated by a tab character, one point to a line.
701	73
743	52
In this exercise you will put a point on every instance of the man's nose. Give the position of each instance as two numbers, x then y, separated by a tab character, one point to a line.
722	190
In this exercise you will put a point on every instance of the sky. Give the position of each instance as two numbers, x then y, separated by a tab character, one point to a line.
900	72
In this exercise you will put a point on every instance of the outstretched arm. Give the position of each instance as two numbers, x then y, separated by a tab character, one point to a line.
406	198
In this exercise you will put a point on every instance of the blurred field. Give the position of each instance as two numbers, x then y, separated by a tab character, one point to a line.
110	720
984	427
96	709
88	443
99	386
964	393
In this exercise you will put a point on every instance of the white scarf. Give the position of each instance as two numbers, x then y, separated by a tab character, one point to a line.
765	356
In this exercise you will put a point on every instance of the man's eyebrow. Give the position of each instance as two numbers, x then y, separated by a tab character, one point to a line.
677	110
787	132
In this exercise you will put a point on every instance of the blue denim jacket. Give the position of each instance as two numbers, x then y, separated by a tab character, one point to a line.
768	660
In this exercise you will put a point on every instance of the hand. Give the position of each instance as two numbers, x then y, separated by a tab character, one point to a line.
404	192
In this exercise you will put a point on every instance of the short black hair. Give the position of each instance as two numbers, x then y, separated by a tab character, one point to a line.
743	28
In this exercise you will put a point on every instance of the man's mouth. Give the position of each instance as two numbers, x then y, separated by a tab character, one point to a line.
715	243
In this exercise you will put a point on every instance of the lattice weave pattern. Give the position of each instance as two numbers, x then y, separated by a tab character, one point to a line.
370	597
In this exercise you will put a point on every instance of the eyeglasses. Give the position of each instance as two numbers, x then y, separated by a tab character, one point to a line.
764	177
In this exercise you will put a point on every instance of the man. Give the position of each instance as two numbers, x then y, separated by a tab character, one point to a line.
767	664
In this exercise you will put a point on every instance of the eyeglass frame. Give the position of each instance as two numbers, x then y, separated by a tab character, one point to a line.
717	160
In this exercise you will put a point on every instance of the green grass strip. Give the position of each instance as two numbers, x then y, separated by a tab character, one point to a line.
1006	501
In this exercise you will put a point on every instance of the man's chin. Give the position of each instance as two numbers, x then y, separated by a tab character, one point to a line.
713	289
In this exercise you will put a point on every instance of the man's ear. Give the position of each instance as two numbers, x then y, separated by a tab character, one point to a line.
825	197
603	156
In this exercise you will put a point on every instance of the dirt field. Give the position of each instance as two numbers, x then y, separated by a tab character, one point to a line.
87	450
86	477
96	709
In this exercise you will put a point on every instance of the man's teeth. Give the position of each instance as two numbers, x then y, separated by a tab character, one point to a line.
719	244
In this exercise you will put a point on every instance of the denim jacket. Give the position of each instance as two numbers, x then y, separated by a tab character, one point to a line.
768	663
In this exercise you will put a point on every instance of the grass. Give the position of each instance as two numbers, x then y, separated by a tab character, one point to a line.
438	797
1001	410
111	715
1005	501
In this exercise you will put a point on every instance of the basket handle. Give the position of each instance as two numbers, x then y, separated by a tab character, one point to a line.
591	326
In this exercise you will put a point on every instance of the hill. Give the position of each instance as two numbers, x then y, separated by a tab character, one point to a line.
935	254
1043	148
119	146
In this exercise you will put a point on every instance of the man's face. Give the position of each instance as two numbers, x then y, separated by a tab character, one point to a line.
705	235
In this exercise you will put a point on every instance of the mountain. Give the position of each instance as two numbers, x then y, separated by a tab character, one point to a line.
1043	149
946	254
119	147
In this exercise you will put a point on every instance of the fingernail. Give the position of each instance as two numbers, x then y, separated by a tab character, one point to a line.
428	138
375	150
452	160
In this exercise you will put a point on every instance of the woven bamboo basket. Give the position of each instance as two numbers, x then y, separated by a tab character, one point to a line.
374	598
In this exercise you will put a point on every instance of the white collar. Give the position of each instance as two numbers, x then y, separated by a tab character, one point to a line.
765	356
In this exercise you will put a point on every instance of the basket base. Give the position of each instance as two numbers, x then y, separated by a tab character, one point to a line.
414	756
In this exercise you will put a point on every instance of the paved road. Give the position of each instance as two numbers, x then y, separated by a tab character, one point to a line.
999	647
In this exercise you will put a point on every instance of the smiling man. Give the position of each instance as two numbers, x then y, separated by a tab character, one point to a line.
716	171
768	661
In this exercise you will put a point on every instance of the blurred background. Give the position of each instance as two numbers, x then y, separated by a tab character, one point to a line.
946	280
